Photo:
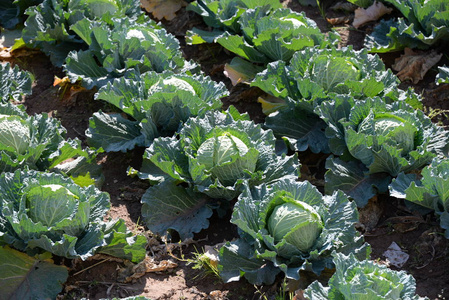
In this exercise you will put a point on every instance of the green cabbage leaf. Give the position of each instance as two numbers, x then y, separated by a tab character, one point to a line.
206	164
288	226
425	24
157	104
49	25
378	141
15	83
314	75
47	212
128	47
223	16
430	190
38	142
356	280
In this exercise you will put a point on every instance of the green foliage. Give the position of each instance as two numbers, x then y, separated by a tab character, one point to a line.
38	142
288	226
12	12
356	280
48	212
128	47
425	23
386	138
15	83
194	183
430	190
223	16
49	25
26	277
273	36
158	104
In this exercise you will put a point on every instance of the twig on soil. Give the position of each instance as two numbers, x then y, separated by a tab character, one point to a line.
89	267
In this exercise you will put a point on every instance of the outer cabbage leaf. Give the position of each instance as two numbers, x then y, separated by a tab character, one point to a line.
354	279
48	212
256	251
115	52
354	179
223	16
443	75
430	191
184	159
38	142
15	83
187	216
158	104
274	36
299	128
48	26
25	277
12	12
425	23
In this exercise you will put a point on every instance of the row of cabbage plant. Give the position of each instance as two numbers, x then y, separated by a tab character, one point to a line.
200	159
330	100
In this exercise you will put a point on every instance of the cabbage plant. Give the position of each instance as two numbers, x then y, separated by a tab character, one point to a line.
156	103
313	75
223	15
48	212
206	164
425	24
128	47
381	140
38	142
429	190
15	83
49	25
356	280
274	36
288	226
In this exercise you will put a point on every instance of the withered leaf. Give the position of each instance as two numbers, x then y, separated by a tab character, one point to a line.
413	66
163	8
372	13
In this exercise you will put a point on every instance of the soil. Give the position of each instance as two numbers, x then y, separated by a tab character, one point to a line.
385	221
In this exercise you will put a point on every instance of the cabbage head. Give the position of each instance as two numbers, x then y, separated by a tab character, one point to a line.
288	226
375	142
392	138
48	212
357	280
38	142
207	162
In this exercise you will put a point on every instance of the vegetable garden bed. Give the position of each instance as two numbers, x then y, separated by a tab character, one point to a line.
176	267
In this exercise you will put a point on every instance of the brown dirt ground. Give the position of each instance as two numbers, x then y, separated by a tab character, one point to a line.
99	278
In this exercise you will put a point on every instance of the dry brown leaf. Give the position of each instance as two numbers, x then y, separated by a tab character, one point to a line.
372	13
414	65
131	271
163	8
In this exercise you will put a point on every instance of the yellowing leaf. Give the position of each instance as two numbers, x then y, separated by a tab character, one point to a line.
163	8
414	65
372	13
271	104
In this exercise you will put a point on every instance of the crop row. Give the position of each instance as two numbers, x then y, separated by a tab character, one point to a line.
199	158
